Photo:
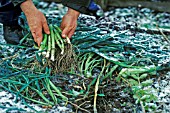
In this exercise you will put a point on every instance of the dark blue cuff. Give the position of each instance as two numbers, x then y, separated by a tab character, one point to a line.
93	6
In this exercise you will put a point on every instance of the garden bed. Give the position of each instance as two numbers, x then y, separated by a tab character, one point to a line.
125	55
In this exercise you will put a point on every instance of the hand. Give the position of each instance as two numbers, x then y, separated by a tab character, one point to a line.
69	23
36	21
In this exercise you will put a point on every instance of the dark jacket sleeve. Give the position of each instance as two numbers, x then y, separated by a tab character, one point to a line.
79	5
17	2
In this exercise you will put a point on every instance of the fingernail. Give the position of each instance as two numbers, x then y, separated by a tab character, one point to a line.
38	39
63	35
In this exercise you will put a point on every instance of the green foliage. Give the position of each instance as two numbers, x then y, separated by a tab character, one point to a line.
137	79
87	63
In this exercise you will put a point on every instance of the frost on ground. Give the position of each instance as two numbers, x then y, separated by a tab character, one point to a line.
9	102
162	85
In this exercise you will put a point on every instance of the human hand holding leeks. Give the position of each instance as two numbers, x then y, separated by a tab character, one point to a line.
36	21
69	23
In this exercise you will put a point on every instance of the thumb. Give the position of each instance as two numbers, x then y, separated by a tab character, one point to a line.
65	32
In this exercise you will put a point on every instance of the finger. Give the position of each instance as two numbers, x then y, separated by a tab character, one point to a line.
34	35
39	36
61	27
65	32
71	33
45	26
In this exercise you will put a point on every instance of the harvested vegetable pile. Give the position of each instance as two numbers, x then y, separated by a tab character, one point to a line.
58	50
109	53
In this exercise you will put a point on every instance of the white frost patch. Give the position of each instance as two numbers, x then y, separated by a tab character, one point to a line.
8	100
